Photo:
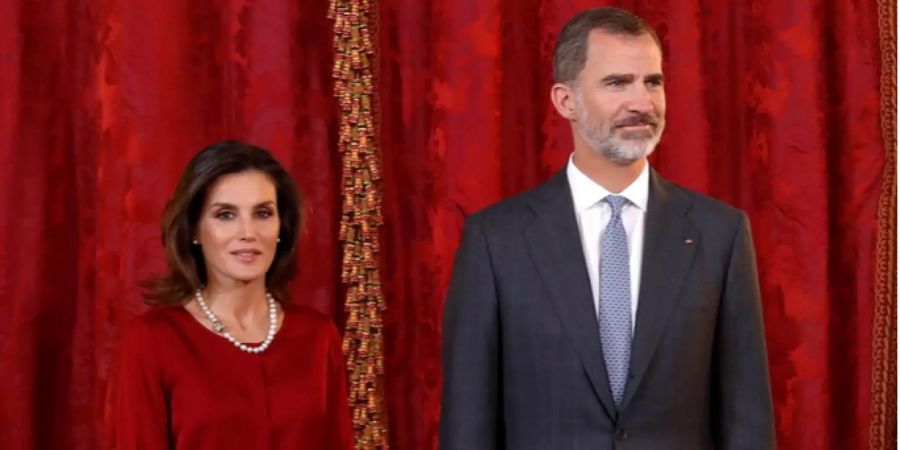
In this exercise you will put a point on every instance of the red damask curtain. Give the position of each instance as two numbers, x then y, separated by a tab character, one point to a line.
101	106
774	107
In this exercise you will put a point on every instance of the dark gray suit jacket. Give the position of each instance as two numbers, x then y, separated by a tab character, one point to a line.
523	367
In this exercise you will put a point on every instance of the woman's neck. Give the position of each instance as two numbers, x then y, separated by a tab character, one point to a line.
242	303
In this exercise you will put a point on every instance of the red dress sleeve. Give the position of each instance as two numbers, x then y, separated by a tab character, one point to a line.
337	394
141	411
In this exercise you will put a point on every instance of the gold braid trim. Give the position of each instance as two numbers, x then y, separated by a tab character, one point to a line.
354	88
883	425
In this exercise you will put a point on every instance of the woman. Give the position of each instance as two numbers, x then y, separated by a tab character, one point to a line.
223	362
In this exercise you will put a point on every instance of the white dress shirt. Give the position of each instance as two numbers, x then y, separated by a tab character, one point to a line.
593	216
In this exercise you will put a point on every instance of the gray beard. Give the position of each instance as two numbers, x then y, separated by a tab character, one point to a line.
621	151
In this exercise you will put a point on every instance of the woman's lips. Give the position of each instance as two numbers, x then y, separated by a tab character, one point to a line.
246	256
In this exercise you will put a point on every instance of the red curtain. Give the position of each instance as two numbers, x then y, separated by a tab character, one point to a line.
773	107
101	106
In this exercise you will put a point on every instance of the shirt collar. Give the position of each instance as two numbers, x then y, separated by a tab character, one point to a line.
586	193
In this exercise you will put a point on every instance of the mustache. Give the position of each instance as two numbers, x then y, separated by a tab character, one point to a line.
637	119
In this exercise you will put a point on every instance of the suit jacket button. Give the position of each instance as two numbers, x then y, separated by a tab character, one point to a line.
621	434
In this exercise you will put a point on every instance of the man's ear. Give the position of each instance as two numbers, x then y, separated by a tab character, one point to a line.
563	98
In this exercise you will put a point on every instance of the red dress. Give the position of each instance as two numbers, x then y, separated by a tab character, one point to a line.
181	386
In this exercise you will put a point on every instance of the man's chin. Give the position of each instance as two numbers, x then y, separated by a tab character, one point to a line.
625	161
631	155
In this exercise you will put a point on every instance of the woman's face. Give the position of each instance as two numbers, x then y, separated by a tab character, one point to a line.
238	227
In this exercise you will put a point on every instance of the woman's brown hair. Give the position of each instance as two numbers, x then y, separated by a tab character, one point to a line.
186	268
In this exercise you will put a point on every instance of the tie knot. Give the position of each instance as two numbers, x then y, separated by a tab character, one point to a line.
616	202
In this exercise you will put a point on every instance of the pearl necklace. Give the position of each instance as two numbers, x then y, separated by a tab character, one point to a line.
220	329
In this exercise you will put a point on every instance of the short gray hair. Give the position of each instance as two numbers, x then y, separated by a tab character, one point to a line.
571	46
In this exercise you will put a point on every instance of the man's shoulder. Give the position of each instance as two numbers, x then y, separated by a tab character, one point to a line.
514	210
705	206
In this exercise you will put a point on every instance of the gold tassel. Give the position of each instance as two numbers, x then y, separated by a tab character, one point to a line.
354	88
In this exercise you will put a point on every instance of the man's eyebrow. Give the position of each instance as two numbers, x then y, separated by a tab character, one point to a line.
618	77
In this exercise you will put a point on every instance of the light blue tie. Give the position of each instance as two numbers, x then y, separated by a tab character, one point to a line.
615	299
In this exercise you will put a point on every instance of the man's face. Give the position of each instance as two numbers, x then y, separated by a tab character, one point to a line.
620	103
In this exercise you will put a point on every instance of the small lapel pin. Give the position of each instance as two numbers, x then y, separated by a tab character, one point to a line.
689	241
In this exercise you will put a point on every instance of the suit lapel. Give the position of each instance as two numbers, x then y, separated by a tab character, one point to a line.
670	242
555	246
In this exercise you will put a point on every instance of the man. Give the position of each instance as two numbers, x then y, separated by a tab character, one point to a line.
607	308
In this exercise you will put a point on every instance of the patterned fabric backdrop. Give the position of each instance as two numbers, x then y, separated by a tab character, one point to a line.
772	107
775	107
101	106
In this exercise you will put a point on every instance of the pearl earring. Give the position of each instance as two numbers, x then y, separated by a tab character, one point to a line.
195	242
278	240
